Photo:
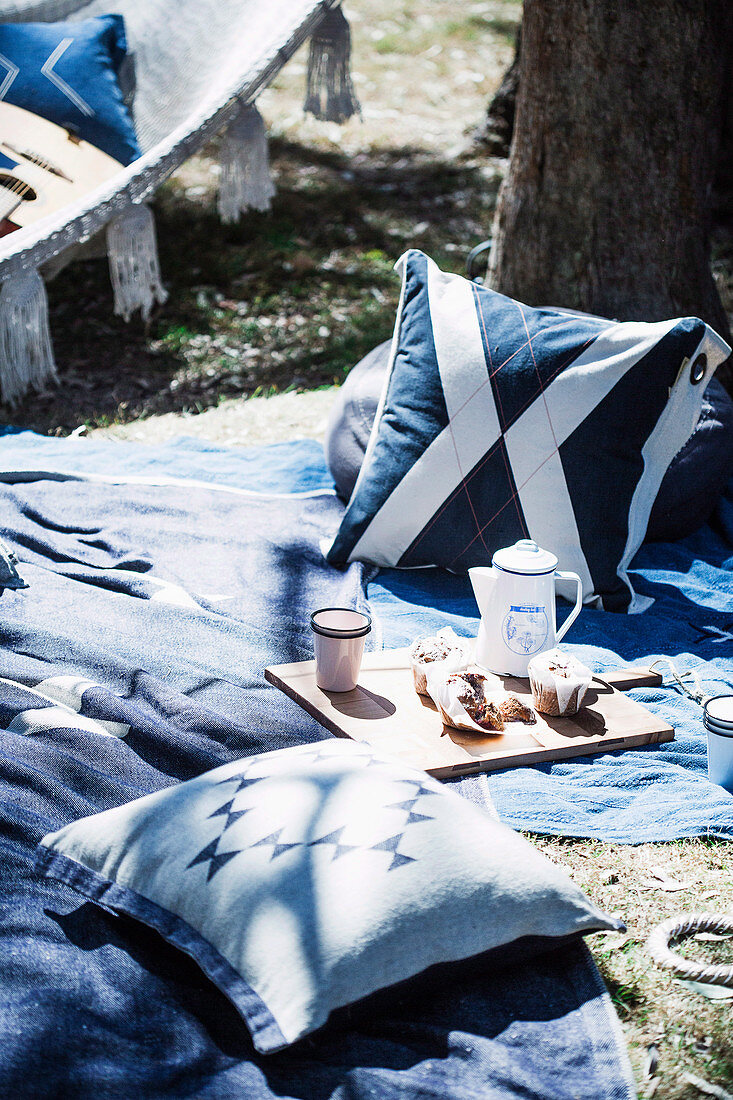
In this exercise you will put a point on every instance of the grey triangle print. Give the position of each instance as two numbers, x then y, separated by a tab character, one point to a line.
284	839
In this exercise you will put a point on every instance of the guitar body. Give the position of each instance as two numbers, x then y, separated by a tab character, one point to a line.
43	168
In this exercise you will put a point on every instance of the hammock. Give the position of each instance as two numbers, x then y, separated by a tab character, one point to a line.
199	66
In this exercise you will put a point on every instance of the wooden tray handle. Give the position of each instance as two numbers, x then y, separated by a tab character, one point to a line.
629	678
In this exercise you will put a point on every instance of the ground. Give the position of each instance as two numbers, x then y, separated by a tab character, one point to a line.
286	303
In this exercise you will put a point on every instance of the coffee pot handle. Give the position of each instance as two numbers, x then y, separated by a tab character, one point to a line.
561	575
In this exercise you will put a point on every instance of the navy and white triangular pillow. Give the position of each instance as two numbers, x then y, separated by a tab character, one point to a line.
500	421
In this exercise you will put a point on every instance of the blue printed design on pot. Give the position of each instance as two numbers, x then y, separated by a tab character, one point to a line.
525	628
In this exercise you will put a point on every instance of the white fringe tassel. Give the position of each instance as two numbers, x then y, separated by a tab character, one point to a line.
134	269
244	183
330	94
26	355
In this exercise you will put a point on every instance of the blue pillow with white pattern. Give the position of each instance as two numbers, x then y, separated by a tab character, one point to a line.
68	73
501	422
307	878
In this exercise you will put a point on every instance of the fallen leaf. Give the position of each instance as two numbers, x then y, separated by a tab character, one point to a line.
620	944
706	989
660	880
670	887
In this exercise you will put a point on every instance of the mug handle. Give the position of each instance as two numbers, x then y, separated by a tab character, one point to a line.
563	576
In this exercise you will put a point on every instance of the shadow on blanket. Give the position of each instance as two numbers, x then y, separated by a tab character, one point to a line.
455	1031
161	670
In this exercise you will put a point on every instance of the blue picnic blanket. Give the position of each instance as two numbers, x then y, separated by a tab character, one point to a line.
162	581
640	795
648	794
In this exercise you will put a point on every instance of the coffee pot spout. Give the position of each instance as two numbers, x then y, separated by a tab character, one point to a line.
483	580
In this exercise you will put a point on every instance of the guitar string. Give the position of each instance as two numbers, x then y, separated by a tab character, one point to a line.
20	186
16	189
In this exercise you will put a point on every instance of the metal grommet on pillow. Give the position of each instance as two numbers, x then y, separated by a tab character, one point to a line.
698	369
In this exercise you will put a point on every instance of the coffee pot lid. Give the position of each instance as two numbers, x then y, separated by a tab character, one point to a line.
525	557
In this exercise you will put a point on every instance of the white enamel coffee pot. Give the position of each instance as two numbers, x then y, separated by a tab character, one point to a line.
516	598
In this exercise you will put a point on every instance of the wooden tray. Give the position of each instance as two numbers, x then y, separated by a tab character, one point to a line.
385	710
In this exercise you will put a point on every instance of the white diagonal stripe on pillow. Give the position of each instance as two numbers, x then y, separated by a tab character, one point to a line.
461	359
543	491
673	429
581	387
533	439
473	428
411	505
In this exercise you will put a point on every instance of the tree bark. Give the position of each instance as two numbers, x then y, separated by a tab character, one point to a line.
606	203
723	189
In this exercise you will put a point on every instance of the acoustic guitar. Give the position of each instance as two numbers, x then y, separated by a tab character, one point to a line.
43	167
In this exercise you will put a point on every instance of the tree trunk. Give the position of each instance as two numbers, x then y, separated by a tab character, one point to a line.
723	190
606	203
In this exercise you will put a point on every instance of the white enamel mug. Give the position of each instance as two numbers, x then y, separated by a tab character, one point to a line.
339	634
718	721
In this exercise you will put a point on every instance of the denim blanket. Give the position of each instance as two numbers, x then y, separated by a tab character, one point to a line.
162	581
647	794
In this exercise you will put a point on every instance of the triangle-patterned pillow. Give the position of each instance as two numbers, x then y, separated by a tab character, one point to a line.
307	878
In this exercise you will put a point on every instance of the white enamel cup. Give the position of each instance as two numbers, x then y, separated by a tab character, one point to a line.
718	721
339	634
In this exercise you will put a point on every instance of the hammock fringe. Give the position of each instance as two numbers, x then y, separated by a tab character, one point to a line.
245	182
25	340
134	268
330	94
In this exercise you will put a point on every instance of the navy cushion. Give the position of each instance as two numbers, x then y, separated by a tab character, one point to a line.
699	472
352	416
500	421
68	73
687	496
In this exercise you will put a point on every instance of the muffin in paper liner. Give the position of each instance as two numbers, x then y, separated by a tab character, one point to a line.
559	682
466	701
440	654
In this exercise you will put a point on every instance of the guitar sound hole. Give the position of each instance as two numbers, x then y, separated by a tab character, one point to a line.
18	187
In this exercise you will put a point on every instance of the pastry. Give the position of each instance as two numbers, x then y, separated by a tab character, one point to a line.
559	682
439	655
463	702
466	702
512	709
471	695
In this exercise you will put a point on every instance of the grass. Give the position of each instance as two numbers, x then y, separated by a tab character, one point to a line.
690	1033
288	301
